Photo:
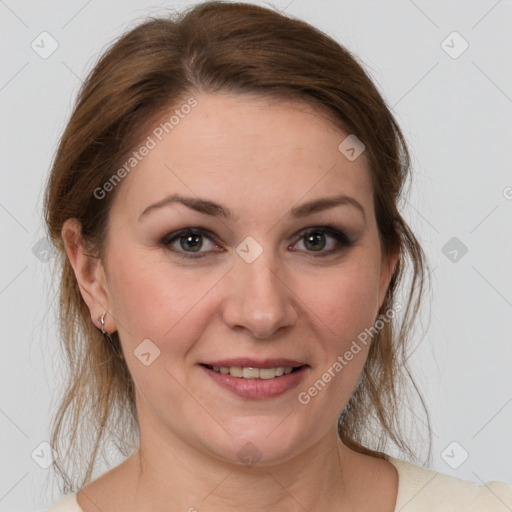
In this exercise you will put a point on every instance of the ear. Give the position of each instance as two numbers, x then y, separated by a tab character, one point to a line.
89	273
388	264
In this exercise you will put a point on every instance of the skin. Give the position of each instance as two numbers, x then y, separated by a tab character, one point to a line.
259	159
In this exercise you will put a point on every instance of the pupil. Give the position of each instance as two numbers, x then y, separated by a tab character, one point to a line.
190	239
315	239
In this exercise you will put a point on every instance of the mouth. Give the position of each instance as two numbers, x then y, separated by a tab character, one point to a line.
250	372
256	383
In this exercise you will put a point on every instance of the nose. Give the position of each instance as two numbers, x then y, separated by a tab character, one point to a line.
258	300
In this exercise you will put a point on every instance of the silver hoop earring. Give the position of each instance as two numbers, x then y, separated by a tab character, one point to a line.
102	322
117	351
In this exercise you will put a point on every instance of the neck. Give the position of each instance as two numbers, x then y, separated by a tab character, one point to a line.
168	474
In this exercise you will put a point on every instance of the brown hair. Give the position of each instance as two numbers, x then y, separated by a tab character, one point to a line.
217	47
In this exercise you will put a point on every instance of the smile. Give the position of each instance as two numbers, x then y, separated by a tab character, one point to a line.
249	372
256	383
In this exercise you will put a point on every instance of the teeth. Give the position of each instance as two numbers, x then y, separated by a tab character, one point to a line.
253	373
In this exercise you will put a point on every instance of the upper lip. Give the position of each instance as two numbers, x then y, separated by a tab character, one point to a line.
255	363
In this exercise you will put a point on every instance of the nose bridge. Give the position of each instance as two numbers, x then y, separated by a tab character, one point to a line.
260	301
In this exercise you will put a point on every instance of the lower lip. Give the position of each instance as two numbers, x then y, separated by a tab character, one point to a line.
258	388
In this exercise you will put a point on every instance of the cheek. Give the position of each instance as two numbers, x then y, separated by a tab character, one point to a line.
342	308
346	299
343	316
153	299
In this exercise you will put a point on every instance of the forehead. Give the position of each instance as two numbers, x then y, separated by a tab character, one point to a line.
244	150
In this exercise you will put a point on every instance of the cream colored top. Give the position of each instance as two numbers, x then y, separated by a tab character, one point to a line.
419	490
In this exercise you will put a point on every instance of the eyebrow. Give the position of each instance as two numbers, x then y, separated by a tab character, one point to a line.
213	209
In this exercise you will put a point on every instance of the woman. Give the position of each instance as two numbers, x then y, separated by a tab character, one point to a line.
224	199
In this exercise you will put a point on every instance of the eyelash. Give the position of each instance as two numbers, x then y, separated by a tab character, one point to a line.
339	236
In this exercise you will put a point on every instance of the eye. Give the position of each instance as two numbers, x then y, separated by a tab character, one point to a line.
316	240
188	241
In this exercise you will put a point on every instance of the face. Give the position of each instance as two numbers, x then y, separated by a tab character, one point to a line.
270	278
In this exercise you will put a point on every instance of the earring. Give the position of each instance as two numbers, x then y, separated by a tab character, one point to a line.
102	322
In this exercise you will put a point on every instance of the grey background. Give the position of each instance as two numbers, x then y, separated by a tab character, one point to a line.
456	115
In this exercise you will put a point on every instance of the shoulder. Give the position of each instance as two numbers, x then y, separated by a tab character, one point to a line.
67	503
421	490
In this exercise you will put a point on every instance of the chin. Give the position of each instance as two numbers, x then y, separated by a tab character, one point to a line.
266	447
